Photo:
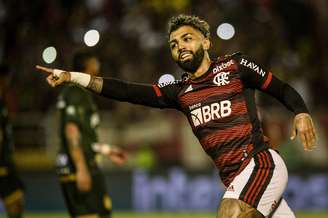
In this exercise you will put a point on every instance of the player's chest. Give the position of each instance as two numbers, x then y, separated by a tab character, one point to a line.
212	99
216	86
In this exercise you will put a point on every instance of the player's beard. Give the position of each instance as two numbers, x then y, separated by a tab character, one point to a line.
191	65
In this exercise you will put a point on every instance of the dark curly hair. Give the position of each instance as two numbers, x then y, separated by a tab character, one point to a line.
189	20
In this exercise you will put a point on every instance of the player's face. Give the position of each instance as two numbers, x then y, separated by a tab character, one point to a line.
187	47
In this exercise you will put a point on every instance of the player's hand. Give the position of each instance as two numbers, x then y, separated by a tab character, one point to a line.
118	155
114	153
83	180
303	126
55	77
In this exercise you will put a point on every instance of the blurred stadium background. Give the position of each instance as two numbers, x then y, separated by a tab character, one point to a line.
167	172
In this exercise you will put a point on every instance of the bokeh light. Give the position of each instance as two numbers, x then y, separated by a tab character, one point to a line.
225	31
49	55
91	38
165	78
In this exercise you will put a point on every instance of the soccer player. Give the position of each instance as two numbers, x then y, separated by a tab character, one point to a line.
11	187
82	182
217	97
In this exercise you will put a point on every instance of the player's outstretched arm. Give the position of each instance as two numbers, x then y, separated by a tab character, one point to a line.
136	93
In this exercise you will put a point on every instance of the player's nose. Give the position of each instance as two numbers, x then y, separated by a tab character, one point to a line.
181	46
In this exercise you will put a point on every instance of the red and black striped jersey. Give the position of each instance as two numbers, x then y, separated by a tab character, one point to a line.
220	107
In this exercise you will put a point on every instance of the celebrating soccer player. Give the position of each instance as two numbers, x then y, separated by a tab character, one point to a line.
217	97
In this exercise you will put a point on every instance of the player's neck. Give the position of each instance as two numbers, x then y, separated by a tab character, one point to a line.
203	68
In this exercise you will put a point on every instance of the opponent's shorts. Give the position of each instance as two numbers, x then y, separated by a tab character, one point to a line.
96	202
261	185
11	186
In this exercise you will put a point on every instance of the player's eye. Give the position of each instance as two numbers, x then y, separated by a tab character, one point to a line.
173	45
187	39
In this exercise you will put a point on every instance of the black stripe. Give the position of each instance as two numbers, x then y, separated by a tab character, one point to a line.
250	180
228	169
258	179
233	97
268	179
215	151
220	125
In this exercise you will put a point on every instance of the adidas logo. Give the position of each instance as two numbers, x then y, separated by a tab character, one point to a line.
230	188
189	89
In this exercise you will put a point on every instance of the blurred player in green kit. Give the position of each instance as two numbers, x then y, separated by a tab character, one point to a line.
11	187
82	182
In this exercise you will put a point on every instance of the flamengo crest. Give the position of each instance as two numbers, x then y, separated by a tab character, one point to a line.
221	79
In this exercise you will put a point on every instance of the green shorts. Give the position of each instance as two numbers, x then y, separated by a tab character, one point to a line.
94	202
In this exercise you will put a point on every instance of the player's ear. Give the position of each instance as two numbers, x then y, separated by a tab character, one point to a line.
206	43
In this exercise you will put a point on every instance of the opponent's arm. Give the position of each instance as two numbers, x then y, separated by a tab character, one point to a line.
253	76
136	93
83	177
114	153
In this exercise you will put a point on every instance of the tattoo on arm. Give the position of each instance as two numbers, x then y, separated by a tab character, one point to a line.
95	84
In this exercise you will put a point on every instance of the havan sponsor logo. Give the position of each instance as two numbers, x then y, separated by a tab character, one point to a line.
252	66
161	85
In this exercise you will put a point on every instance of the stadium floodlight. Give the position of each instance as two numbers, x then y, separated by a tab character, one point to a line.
225	31
91	38
166	78
49	54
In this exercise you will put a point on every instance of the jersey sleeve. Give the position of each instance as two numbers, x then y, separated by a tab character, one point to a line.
153	95
255	77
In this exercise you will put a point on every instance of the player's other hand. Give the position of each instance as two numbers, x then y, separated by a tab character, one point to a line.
303	126
55	77
118	155
83	180
114	153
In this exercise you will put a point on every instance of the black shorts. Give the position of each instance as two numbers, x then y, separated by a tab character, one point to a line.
11	186
94	202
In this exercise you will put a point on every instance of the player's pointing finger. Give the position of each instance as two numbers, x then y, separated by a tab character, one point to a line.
44	69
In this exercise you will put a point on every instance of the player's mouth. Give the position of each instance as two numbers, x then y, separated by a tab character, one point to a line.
185	55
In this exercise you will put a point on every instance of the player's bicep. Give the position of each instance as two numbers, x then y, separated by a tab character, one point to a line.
253	75
136	93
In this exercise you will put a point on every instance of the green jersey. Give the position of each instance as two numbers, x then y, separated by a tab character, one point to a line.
76	105
6	138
